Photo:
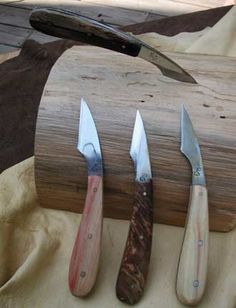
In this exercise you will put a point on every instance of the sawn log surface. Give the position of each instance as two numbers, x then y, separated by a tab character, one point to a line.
115	86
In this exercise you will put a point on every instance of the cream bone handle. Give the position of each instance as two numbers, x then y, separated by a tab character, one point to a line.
192	268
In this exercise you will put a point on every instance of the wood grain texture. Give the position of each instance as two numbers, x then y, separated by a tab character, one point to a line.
86	252
164	7
192	268
115	86
135	262
118	16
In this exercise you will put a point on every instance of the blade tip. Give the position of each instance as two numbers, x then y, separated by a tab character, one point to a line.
138	114
183	109
190	79
139	117
83	102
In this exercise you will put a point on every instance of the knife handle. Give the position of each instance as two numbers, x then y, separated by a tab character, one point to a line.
135	262
192	268
69	25
86	252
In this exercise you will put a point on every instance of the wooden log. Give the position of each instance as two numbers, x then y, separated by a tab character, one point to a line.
115	86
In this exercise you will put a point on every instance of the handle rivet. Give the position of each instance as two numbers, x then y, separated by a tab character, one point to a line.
200	243
144	193
123	46
141	237
95	189
196	283
82	274
90	235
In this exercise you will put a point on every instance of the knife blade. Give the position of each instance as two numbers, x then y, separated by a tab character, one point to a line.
135	262
69	25
86	252
192	268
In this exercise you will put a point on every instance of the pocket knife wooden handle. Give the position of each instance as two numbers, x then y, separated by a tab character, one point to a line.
69	25
135	263
192	269
86	252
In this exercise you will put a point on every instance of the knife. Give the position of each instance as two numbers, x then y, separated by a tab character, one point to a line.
135	262
86	252
192	268
69	25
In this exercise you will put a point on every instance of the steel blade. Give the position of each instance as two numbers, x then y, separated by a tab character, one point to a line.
139	151
88	141
168	67
190	148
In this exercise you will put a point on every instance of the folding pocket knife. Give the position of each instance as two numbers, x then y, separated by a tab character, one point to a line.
69	25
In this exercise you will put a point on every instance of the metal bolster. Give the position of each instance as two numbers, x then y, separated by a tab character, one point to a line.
143	178
95	166
198	177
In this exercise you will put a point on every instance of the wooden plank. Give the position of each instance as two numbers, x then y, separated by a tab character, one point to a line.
13	36
4	50
14	17
115	84
108	14
163	7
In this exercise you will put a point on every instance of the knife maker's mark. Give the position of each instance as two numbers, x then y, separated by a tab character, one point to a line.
144	178
93	160
197	171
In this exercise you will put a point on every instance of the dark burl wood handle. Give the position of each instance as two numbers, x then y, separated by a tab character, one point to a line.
135	263
69	25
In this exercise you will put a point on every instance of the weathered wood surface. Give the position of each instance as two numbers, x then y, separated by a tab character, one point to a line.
115	86
13	36
166	7
109	14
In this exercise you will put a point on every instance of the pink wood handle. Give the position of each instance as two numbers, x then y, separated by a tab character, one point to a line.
86	252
